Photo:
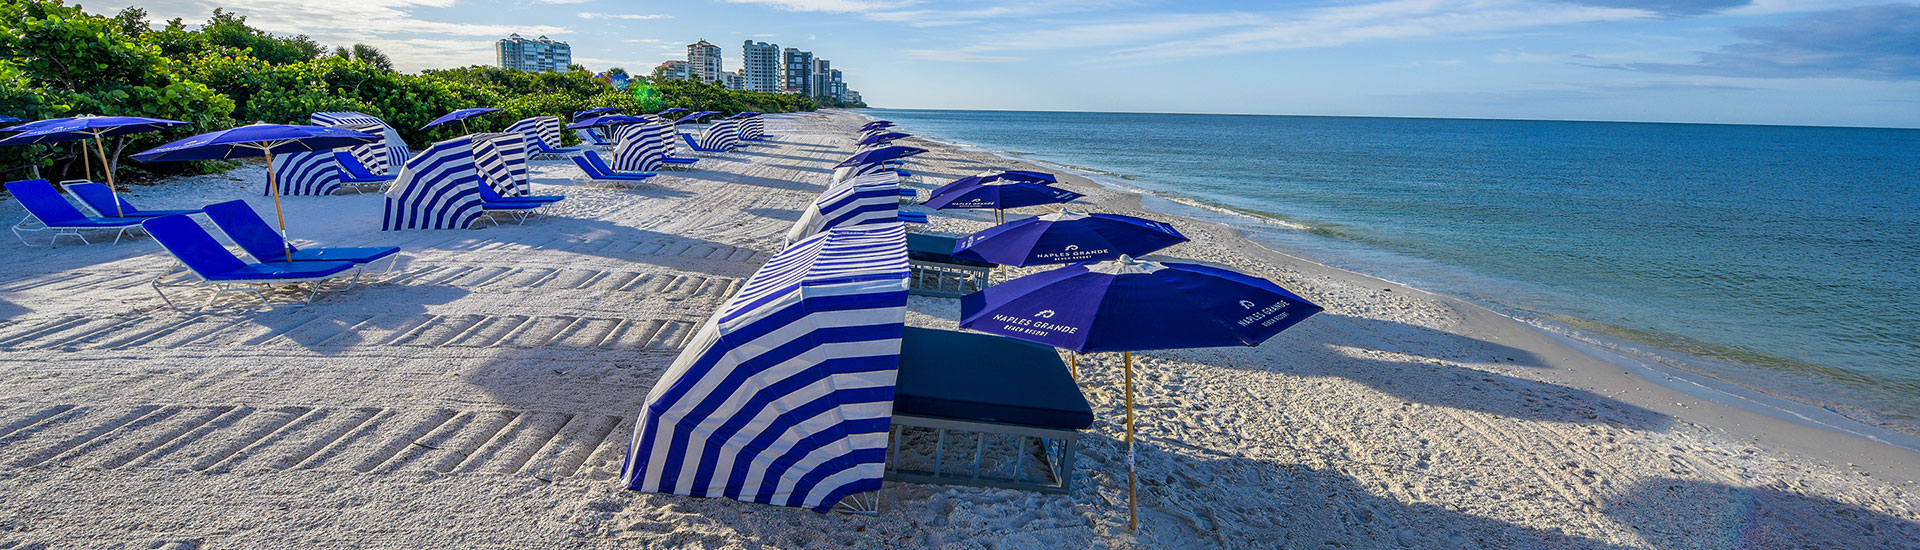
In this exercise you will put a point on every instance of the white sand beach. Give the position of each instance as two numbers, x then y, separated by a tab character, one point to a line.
482	397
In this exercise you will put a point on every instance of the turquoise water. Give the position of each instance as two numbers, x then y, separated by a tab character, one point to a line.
1782	258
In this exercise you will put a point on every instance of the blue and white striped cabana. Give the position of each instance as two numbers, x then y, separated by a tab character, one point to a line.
753	127
846	173
305	173
869	199
722	135
544	128
501	159
438	189
380	157
642	146
784	397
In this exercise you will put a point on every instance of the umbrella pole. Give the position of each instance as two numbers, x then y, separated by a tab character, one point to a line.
86	161
275	187
1133	497
1073	366
118	211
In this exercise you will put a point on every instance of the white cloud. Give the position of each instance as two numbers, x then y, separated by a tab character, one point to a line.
1390	20
831	6
413	43
628	16
561	1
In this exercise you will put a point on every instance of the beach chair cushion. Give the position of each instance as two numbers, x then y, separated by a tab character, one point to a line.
489	197
937	249
909	216
261	241
193	246
46	204
597	168
357	173
100	198
986	378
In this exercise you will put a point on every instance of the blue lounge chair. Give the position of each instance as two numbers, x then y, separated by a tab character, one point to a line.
48	211
99	199
208	263
538	148
357	176
596	169
518	207
591	137
695	144
260	240
910	216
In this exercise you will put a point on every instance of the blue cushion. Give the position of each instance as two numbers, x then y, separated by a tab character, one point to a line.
505	205
937	249
678	160
359	255
280	270
987	379
909	216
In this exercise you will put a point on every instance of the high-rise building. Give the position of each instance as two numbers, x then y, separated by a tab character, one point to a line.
853	97
733	80
836	88
819	86
796	69
673	70
760	66
538	55
703	60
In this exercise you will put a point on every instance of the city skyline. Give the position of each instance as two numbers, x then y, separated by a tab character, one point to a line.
1824	62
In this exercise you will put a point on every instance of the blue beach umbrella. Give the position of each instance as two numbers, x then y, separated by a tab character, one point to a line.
876	124
460	115
596	111
989	177
1065	238
1127	305
883	154
1000	196
671	110
742	114
694	117
96	128
5	118
258	140
878	139
608	120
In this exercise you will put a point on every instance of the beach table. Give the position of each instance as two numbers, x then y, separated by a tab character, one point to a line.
933	271
956	383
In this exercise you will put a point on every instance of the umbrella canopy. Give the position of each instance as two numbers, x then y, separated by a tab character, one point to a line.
989	177
258	140
877	139
5	118
695	116
882	154
596	111
876	124
87	127
460	115
672	110
744	114
1067	237
1126	305
608	120
1000	196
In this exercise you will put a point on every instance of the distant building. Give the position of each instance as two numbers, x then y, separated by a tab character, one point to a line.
854	97
733	80
836	88
796	71
760	66
819	85
538	55
673	70
703	61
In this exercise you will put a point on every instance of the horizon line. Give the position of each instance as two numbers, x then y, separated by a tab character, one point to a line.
1766	124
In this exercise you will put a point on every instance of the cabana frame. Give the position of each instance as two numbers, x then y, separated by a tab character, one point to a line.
1057	446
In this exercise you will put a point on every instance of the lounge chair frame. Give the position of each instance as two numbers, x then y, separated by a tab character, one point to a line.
188	278
32	224
944	280
1058	449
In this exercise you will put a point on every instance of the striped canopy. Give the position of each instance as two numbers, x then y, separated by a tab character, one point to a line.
380	157
723	135
753	127
863	200
642	146
784	397
501	159
438	189
314	173
543	128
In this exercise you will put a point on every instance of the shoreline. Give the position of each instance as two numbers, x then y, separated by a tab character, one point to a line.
1678	382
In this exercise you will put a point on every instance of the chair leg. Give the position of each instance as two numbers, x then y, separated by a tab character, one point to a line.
163	295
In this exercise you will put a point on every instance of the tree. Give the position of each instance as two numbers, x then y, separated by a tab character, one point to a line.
132	21
372	56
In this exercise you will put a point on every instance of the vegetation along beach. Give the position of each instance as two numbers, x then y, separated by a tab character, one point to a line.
490	275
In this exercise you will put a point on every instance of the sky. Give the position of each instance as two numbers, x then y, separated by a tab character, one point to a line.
1806	62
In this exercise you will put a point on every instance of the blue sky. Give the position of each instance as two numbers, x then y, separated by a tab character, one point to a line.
1822	62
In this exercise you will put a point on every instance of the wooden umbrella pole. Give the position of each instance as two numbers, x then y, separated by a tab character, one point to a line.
1073	366
112	190
275	187
86	161
1133	497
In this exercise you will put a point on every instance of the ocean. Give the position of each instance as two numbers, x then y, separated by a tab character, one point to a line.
1783	259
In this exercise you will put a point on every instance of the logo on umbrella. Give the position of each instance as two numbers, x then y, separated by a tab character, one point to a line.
1044	314
1072	247
1246	304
